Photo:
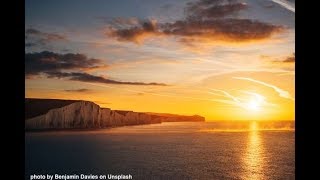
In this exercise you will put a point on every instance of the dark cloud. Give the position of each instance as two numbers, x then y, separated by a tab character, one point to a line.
290	59
210	19
77	90
54	65
33	31
85	77
37	37
45	36
134	33
36	63
225	29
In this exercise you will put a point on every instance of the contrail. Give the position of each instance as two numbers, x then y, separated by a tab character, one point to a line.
281	92
227	95
286	4
234	100
216	94
258	97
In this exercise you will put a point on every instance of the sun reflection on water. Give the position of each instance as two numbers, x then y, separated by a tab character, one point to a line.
253	157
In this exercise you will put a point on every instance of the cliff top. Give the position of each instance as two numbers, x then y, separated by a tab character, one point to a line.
35	107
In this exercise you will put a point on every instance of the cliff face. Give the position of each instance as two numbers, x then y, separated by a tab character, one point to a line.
85	114
80	114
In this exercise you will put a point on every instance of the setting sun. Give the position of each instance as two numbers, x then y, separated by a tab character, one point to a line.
253	105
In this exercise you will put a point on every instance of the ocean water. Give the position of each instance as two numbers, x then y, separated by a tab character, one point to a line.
184	150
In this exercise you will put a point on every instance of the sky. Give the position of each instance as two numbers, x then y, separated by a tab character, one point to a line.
221	59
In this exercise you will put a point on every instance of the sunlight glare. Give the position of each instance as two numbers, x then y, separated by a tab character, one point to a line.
253	105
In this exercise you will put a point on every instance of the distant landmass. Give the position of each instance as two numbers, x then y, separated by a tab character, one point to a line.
46	114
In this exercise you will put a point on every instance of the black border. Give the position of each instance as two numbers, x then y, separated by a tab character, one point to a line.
305	89
12	88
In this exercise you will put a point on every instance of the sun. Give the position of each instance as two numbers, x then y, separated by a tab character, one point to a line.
253	105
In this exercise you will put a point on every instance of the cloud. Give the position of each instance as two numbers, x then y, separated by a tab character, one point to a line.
77	90
54	65
281	92
290	59
205	20
229	29
36	63
134	34
36	37
45	36
85	77
33	31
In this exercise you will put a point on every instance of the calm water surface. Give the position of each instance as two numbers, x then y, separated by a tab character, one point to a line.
167	151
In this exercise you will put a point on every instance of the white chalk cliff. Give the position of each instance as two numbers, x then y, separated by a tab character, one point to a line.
85	114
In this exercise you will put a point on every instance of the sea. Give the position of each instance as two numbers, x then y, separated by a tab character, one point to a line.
175	150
